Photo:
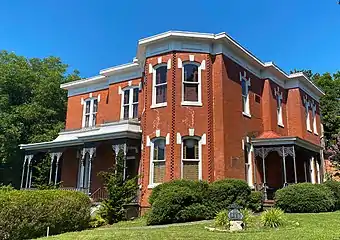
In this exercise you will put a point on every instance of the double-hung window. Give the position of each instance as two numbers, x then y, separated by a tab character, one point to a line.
191	159
245	83
159	90
278	95
157	170
315	128
90	112
130	103
191	83
307	104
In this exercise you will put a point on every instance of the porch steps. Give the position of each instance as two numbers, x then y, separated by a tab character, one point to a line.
268	204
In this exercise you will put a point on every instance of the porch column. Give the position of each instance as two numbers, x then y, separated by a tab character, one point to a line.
92	153
312	170
305	169
294	162
284	167
82	168
23	173
29	171
264	175
58	155
51	167
116	148
318	172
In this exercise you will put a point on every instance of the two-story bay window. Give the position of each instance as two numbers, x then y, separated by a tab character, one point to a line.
245	83
191	159
130	103
90	112
159	90
157	161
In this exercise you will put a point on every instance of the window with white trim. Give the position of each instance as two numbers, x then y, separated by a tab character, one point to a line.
191	158
130	103
307	104
90	112
245	83
278	95
315	128
157	161
159	91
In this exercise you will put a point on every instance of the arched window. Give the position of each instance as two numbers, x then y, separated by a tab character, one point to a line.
159	90
90	112
191	158
191	83
157	161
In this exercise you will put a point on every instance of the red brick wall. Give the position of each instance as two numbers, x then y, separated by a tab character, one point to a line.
69	171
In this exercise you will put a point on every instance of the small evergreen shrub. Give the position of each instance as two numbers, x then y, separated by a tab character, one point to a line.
305	198
334	186
222	220
27	214
273	218
255	201
225	192
247	215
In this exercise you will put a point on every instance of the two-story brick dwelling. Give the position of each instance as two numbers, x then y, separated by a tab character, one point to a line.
192	106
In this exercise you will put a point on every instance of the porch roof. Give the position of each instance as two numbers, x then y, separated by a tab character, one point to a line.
106	131
279	141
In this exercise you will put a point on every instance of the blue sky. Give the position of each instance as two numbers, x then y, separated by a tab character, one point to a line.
91	35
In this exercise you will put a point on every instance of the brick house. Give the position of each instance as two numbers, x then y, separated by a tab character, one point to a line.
193	106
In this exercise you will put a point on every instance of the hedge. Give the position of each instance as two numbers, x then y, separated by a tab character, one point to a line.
255	202
305	198
27	214
183	200
334	186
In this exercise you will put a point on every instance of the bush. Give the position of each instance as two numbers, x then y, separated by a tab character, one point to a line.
273	218
175	206
255	201
305	198
334	186
222	220
183	200
27	214
198	186
225	192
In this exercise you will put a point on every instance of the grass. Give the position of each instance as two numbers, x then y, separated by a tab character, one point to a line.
311	226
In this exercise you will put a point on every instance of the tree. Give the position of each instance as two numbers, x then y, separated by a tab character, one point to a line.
33	106
334	151
120	191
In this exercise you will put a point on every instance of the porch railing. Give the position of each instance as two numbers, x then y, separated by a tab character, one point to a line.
99	195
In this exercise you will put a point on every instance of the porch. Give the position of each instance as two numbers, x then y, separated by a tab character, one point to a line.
77	156
279	162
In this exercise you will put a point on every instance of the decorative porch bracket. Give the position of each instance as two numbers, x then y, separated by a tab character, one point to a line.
28	160
54	156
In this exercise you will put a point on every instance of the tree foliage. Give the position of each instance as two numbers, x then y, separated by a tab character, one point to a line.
32	106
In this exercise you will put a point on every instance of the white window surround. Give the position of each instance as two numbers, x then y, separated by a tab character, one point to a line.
91	113
201	66
246	107
154	69
131	103
307	104
315	128
152	161
278	95
201	141
249	165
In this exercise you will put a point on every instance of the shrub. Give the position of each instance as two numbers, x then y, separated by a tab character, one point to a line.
96	221
120	191
247	215
198	186
255	201
305	198
225	192
193	212
27	214
222	220
175	206
6	187
273	218
334	186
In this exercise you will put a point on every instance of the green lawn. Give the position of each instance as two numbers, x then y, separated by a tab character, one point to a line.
311	226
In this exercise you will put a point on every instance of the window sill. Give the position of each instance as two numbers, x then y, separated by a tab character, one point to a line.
281	125
246	114
151	186
159	105
309	130
197	104
316	134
